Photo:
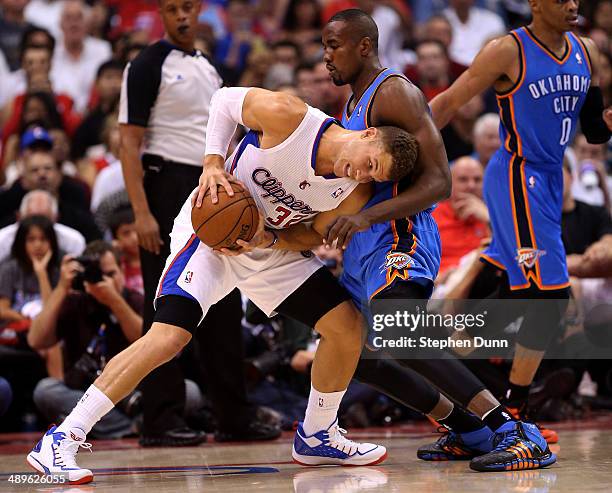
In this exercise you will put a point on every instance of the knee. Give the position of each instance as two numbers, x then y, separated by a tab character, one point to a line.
165	341
344	323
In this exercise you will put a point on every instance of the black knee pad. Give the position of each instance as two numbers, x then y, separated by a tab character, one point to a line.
543	314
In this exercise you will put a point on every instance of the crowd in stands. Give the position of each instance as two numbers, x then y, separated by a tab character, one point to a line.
62	190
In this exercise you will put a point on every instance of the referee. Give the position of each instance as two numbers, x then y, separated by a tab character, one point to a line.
164	107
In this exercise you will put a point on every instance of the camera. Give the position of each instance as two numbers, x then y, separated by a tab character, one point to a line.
92	273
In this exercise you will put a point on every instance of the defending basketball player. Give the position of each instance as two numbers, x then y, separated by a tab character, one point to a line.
296	163
546	79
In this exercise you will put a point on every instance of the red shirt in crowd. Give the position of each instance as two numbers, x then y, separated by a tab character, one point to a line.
458	236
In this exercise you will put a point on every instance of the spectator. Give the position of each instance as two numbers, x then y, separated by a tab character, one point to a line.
52	108
125	240
12	26
440	29
35	66
432	74
459	134
78	56
94	322
100	20
233	49
602	16
41	171
287	53
306	85
463	218
486	137
110	178
108	89
592	185
26	278
587	234
391	32
258	66
42	203
46	14
472	27
302	21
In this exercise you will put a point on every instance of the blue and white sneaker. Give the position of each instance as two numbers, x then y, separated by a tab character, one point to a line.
54	455
330	447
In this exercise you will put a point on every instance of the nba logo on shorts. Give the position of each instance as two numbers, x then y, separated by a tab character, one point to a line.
188	276
337	193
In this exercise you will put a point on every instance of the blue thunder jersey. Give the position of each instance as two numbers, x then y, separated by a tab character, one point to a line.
407	249
523	183
539	115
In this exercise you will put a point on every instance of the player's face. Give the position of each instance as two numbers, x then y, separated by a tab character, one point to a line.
364	159
180	18
560	14
340	53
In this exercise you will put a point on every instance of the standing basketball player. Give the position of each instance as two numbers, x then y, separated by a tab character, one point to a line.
390	258
165	104
546	79
290	144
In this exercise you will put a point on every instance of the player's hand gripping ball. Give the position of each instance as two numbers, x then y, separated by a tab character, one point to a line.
231	218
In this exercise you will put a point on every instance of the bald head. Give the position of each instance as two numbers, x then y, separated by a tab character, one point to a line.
467	175
360	25
38	203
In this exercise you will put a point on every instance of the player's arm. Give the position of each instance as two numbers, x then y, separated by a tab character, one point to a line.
401	104
593	121
295	238
304	236
493	63
276	115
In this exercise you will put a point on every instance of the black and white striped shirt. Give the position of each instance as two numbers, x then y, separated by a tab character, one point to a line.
168	91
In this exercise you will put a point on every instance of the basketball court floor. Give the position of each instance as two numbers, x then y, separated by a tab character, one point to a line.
584	465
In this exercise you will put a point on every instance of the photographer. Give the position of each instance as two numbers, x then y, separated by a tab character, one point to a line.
96	317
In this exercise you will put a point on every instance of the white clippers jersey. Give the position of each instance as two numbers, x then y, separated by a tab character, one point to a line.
282	179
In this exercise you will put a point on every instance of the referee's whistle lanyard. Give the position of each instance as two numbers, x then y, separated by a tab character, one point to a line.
97	345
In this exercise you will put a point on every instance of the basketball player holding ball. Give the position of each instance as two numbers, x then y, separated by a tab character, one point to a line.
297	163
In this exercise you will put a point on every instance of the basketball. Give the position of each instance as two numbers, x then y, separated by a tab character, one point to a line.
231	218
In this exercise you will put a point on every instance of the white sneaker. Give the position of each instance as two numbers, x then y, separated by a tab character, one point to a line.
54	455
329	446
339	479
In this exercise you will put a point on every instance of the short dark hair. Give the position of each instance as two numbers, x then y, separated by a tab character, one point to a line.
123	215
430	41
97	248
18	248
26	42
404	150
108	66
362	25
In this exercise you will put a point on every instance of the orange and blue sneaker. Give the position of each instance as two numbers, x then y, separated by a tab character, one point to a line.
518	446
522	414
457	446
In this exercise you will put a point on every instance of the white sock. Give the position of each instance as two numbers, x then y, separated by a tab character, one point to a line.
89	410
322	410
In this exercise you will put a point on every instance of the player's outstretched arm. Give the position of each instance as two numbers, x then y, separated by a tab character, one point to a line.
494	62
